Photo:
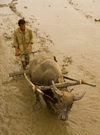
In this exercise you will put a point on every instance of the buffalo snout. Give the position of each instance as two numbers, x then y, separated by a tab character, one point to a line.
63	116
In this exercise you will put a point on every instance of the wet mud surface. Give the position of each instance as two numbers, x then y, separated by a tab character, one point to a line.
70	30
89	9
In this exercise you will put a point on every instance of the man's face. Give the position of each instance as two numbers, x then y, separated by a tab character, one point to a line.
22	27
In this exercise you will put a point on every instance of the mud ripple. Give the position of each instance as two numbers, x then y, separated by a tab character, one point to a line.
86	72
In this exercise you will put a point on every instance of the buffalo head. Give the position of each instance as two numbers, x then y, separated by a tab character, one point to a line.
65	101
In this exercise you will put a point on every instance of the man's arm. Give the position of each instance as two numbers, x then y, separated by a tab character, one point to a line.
31	40
15	44
31	37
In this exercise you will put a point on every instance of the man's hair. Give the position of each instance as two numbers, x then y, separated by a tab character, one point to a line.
21	21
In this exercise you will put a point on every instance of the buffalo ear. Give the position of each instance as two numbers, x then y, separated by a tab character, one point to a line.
76	98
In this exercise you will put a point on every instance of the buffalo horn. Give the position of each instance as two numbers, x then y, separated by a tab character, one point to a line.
57	91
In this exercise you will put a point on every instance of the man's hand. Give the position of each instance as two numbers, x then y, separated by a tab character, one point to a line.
17	52
29	47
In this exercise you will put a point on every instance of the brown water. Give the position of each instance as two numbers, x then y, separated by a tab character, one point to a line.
68	29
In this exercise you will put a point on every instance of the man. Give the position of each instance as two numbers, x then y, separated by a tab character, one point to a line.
23	40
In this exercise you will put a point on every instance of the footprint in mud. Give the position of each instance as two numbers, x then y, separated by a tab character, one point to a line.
66	62
44	40
70	2
88	16
76	7
49	5
26	7
97	20
7	36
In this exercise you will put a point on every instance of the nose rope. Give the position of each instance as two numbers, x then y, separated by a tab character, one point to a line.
49	97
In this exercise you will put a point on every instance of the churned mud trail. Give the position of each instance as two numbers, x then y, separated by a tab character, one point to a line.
12	6
17	112
90	9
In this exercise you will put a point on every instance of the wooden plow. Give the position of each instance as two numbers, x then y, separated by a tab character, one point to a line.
58	85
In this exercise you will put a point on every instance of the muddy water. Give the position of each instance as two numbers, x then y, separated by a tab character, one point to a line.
68	29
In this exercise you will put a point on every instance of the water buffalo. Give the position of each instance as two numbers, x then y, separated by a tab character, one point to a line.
45	71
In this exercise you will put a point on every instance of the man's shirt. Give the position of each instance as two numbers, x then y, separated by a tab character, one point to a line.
22	39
